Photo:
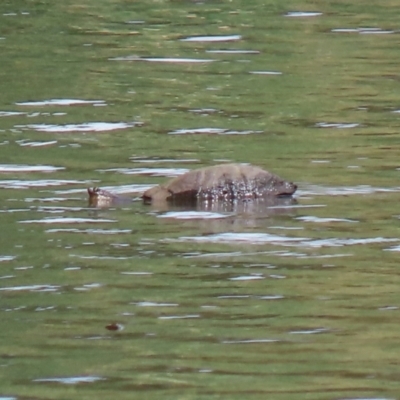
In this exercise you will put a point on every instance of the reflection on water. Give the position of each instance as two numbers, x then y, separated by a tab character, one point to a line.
315	190
29	143
336	125
163	60
265	72
233	51
61	102
310	218
302	14
70	380
250	341
264	238
362	30
228	38
28	168
10	113
189	316
66	220
192	215
90	231
155	160
85	127
211	131
25	184
168	172
33	288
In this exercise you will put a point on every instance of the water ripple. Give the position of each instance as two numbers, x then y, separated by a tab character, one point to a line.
211	131
233	51
66	220
167	172
28	168
250	341
362	31
310	331
61	102
151	160
192	215
188	316
11	113
227	38
20	184
343	190
85	127
336	125
90	231
163	60
265	72
247	277
153	304
301	14
32	288
265	238
70	380
311	218
28	143
7	258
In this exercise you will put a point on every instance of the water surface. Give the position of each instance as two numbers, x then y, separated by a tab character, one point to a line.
236	300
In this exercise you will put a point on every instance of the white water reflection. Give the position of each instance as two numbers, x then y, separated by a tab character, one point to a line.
91	231
227	38
153	304
247	277
28	143
250	341
28	168
233	51
11	113
101	257
187	316
66	220
192	215
85	127
336	125
265	72
393	248
155	160
363	31
317	190
136	273
123	189
248	296
61	102
7	258
231	237
302	14
311	218
310	331
205	111
163	60
265	238
71	380
19	184
165	172
32	288
211	131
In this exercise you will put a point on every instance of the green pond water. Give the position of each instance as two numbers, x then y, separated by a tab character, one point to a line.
219	302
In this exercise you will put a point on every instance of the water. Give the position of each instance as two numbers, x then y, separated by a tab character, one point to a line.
241	300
